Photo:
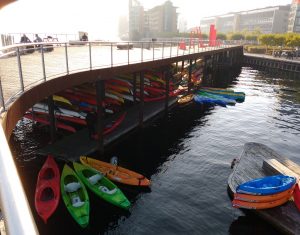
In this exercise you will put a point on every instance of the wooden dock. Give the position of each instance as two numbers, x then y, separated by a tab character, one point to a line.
73	146
253	163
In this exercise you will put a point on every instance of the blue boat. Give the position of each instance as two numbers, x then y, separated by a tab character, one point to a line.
267	185
209	101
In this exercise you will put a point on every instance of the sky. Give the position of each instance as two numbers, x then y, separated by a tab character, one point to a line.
100	18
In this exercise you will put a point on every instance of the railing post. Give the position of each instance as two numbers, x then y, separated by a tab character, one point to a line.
111	55
128	53
163	48
177	48
67	60
171	50
90	54
2	97
43	62
20	69
142	51
153	49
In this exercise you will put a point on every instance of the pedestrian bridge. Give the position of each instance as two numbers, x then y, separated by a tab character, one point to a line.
31	72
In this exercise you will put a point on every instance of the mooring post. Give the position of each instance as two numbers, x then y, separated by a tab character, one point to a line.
100	92
190	76
141	110
134	88
51	118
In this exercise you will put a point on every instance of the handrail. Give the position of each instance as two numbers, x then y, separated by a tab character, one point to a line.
17	214
92	54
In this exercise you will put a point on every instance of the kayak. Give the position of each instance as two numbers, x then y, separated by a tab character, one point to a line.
185	99
296	196
75	196
205	100
116	173
47	191
218	97
45	120
263	198
101	186
267	185
238	96
259	205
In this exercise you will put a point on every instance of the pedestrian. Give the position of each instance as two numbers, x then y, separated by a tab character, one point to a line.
25	39
91	120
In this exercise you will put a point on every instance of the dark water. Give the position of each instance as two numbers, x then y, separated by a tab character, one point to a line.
188	157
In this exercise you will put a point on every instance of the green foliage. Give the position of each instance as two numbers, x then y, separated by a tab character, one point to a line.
237	36
221	36
287	39
251	37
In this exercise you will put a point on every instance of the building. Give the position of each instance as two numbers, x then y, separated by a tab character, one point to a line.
136	20
153	22
267	20
294	17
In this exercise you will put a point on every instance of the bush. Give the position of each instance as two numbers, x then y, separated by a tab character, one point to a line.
257	50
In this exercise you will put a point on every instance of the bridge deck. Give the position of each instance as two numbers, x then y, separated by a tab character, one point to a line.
73	146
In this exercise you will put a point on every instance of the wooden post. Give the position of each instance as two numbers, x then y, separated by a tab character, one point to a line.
100	92
190	76
51	118
134	88
166	75
141	110
176	66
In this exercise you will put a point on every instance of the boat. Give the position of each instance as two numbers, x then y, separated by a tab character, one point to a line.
47	191
217	97
260	205
263	198
238	96
186	99
75	196
45	120
209	101
101	186
267	185
296	196
116	173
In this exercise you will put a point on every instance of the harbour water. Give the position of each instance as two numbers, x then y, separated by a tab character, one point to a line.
187	156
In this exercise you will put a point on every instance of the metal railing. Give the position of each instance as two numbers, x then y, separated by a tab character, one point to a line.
23	66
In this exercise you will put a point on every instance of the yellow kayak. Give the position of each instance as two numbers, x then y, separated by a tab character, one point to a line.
116	173
186	99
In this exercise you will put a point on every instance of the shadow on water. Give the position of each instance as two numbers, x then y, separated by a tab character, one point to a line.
249	225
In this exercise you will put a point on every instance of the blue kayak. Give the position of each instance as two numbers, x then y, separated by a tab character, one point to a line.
267	185
205	100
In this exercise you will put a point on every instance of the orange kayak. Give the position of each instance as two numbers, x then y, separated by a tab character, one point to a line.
259	205
116	173
264	198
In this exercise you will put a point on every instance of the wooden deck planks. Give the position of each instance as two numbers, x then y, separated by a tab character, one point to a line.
286	217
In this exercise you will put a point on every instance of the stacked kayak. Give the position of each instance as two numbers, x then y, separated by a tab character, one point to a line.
226	93
264	193
185	99
116	173
209	101
75	196
101	186
47	192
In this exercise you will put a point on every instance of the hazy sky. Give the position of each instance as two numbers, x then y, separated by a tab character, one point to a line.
100	18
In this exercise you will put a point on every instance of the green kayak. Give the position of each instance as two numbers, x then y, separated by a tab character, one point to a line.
218	97
238	96
101	186
75	196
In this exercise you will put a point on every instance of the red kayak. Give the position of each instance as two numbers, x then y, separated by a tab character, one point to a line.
47	192
296	196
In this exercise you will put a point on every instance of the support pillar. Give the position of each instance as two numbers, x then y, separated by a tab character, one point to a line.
100	92
51	118
134	88
141	110
190	76
167	79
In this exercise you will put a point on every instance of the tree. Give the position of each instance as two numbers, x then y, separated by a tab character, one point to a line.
237	36
221	36
251	37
